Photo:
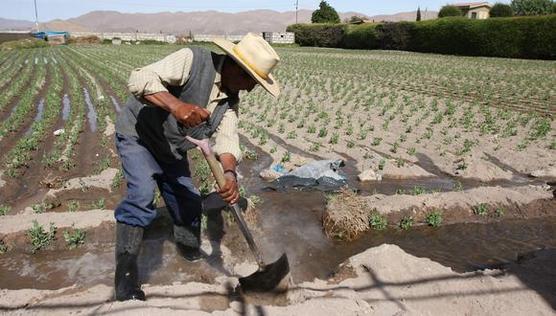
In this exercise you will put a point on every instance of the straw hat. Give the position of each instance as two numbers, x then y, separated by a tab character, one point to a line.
256	57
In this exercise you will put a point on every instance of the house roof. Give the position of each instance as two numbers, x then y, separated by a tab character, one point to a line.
472	5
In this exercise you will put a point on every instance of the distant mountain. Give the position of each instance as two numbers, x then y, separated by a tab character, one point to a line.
404	16
15	25
201	22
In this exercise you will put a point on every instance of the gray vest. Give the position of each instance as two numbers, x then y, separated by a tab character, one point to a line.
158	130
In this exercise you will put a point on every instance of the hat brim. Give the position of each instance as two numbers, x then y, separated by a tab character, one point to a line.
269	84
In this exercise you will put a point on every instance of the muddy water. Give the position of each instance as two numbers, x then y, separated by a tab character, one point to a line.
38	116
66	109
289	222
115	103
91	114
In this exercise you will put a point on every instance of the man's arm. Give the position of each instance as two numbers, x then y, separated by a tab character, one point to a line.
228	152
188	114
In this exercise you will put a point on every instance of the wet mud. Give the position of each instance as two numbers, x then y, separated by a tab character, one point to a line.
288	222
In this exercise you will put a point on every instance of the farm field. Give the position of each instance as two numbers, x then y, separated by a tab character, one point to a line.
466	142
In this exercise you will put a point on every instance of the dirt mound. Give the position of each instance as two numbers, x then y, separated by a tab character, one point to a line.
349	218
387	281
347	215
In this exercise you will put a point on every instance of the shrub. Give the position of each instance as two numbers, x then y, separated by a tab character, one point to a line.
525	37
362	36
500	10
320	35
395	36
532	7
449	10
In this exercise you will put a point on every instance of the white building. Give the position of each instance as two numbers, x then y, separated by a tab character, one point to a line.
279	37
475	10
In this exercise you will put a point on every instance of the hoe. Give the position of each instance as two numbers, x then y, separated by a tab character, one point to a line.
268	276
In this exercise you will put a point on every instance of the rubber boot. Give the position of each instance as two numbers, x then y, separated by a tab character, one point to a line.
188	241
128	243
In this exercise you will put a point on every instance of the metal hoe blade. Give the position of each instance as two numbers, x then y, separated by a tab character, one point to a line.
268	277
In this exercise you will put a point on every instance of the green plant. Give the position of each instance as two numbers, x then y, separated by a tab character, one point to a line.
286	157
73	206
499	212
377	221
325	14
3	247
480	209
75	238
99	204
250	154
406	222
39	237
381	164
532	7
314	147
411	151
500	10
434	218
334	139
40	208
376	141
449	10
323	132
4	209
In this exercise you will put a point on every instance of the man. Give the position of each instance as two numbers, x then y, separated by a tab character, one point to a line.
190	92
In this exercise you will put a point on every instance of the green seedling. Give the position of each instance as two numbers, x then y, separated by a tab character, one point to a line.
481	209
73	206
39	237
406	222
3	247
75	238
4	209
499	212
377	221
434	218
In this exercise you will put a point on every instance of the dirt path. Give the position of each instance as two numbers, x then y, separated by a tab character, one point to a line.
383	281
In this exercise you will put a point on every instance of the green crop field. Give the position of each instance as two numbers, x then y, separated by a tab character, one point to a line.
354	102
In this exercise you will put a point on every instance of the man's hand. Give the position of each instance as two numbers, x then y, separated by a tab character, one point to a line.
230	191
187	114
190	115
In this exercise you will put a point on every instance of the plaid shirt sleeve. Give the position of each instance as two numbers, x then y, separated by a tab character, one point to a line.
227	136
172	70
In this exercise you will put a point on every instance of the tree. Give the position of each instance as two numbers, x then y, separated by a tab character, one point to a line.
449	10
356	20
501	10
418	14
532	7
325	14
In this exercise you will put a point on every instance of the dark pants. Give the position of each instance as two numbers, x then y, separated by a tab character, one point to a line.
144	173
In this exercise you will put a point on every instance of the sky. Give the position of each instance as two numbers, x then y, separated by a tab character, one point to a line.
64	9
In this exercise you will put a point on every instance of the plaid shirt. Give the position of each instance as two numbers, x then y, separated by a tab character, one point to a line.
173	70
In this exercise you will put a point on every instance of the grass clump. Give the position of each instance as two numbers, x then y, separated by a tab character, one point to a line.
377	221
346	215
434	218
39	237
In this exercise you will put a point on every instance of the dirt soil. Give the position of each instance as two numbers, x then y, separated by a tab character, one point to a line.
383	280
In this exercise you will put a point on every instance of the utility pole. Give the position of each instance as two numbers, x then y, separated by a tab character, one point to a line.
36	17
296	7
